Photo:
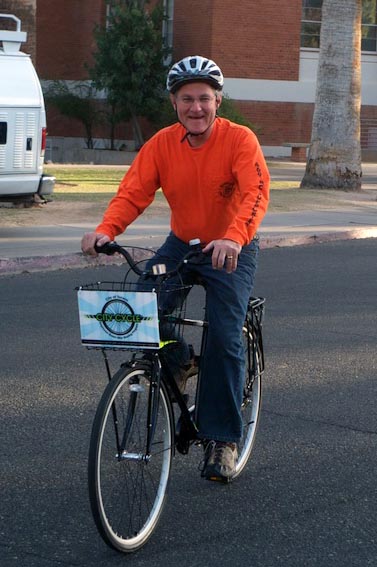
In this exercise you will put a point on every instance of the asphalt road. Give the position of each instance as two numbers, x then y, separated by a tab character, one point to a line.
308	496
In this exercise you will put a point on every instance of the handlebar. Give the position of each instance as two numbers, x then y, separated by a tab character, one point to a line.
110	248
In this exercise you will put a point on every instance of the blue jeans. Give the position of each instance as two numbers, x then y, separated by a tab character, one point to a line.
222	370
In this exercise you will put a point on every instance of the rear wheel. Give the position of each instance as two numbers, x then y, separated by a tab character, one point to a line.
127	486
251	402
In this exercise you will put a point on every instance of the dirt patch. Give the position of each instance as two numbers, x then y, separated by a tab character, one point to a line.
89	212
288	200
59	212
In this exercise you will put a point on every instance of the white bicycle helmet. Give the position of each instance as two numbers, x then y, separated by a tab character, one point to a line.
194	68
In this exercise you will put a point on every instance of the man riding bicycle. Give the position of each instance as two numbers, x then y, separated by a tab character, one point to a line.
215	179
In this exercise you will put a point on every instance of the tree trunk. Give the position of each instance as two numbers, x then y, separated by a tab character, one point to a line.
334	159
138	135
113	123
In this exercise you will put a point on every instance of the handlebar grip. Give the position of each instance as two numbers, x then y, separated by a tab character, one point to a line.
109	248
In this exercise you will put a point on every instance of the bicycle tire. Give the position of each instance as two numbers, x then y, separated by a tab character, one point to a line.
251	403
127	495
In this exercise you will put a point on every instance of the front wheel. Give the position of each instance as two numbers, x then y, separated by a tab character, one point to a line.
251	402
127	484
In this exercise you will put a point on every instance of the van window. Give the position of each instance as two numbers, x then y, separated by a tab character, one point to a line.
3	132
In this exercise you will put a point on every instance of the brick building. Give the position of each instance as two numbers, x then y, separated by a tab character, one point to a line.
267	50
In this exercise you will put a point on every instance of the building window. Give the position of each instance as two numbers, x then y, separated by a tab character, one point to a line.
167	29
311	24
3	133
369	26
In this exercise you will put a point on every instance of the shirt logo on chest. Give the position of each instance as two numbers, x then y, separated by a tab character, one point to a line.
227	189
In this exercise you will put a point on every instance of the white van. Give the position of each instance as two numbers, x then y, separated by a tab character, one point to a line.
22	122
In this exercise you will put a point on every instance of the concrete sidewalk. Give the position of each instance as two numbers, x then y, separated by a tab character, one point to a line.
53	247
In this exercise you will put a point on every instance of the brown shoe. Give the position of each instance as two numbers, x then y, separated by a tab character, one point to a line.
220	460
182	376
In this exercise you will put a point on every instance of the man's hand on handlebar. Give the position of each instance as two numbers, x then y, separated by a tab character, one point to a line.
90	240
224	254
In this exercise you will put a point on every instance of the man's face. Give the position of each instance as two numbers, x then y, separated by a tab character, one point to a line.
196	105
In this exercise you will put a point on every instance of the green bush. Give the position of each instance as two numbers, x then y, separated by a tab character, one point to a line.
229	110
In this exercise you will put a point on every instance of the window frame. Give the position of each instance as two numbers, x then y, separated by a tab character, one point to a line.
317	23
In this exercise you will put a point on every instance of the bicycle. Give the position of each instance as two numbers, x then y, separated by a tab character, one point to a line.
135	433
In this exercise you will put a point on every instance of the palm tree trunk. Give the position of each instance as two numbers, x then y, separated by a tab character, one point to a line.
334	159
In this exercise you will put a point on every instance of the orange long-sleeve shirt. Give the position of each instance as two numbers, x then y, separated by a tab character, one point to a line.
219	190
